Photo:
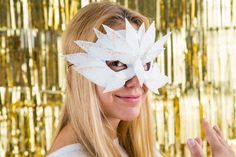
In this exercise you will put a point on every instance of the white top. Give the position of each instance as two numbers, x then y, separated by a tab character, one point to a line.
76	150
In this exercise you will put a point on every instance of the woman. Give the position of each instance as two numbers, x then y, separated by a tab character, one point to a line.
106	112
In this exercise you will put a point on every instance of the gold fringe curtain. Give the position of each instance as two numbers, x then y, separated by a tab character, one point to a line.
199	59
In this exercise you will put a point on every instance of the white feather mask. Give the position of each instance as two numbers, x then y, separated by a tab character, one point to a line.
131	47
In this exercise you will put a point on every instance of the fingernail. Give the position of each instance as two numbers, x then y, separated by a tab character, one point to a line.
191	143
216	127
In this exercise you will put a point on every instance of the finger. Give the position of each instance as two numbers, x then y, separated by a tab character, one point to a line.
211	135
199	141
217	130
195	148
219	135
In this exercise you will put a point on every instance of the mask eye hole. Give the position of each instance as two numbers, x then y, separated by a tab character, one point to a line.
147	66
116	65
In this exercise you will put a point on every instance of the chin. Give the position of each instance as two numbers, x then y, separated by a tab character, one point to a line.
130	115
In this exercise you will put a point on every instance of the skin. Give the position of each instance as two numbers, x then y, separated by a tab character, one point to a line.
116	106
124	103
115	109
218	144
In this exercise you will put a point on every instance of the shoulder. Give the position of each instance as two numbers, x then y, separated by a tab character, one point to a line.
66	137
72	150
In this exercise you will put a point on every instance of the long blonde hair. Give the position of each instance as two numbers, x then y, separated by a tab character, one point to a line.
82	109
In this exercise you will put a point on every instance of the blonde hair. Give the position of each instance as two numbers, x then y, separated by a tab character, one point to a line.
82	109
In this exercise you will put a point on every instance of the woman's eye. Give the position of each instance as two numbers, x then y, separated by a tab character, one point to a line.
147	66
116	65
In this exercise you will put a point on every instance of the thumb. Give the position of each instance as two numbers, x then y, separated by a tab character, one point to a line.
195	148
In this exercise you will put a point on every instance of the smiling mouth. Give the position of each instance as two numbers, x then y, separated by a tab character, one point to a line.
129	99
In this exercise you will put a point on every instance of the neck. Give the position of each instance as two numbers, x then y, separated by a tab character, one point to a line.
113	122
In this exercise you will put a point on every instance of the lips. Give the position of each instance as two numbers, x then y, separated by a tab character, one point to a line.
129	98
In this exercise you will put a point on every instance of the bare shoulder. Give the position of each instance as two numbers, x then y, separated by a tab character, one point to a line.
64	138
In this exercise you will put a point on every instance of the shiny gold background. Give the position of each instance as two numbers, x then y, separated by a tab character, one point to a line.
199	59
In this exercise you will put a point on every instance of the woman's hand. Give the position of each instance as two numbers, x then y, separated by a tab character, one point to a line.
218	145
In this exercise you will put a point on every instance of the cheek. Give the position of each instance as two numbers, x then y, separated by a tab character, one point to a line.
145	90
104	98
145	93
99	90
106	104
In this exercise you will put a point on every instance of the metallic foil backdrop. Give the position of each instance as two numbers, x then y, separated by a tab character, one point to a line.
199	59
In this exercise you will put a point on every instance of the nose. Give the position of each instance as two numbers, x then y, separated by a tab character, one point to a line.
133	82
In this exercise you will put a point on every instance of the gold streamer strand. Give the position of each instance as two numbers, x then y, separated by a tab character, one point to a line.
199	59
